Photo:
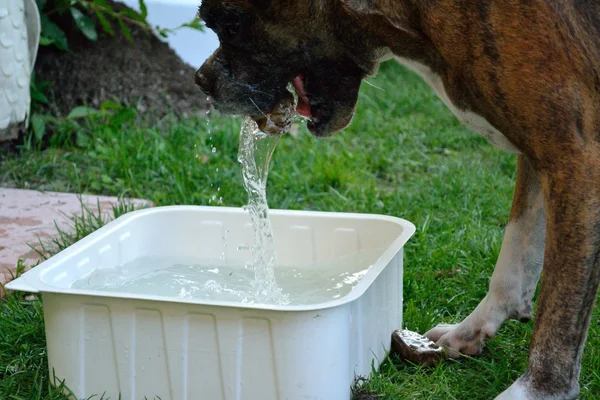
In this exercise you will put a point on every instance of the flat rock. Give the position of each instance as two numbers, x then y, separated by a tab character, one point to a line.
418	349
28	216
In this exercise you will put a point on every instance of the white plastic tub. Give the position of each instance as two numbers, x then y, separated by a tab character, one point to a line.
152	347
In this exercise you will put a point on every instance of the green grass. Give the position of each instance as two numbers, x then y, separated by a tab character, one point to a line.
404	155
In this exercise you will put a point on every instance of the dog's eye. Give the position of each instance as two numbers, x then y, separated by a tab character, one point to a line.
232	30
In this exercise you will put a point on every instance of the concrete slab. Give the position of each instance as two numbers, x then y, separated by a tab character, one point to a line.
26	216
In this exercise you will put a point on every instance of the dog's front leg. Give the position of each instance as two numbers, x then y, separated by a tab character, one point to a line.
570	280
516	274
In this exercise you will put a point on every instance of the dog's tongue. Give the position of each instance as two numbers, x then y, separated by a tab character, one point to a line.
303	107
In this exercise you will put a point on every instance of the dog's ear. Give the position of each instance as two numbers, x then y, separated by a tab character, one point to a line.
381	9
261	4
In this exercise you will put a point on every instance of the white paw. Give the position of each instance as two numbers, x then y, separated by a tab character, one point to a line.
440	330
459	339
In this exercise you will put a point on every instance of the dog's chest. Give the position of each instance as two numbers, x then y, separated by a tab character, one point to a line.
474	121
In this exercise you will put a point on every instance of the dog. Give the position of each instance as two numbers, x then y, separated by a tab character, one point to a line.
525	74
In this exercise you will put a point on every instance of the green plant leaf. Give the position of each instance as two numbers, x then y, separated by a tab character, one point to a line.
162	32
110	105
82	112
195	24
131	14
38	96
125	30
82	139
103	4
42	85
51	31
122	116
85	24
106	26
143	9
41	4
46	41
38	125
37	88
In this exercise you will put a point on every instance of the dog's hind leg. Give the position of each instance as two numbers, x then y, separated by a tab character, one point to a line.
571	276
516	274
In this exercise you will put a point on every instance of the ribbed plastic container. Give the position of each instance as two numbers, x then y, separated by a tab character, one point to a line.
137	346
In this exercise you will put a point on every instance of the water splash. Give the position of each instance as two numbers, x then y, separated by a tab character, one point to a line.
215	197
255	153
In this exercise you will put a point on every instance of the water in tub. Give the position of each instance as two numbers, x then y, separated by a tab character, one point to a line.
258	281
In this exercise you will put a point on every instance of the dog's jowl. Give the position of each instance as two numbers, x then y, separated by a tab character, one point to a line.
524	74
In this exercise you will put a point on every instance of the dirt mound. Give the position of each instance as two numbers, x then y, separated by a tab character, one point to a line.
146	73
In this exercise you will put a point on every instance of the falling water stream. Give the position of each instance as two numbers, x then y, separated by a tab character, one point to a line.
255	153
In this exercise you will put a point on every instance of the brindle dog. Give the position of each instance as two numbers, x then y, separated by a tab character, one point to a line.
523	73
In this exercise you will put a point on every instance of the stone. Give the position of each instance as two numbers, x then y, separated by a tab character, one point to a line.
418	349
28	217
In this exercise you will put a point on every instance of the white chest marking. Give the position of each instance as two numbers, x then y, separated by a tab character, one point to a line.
474	121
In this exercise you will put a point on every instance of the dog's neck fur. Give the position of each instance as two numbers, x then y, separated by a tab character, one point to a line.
406	34
402	31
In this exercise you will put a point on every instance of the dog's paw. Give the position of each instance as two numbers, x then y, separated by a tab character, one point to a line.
459	339
440	330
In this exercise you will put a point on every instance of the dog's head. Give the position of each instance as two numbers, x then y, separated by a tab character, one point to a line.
267	44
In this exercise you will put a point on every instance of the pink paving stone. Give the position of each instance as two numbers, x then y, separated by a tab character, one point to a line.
26	216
